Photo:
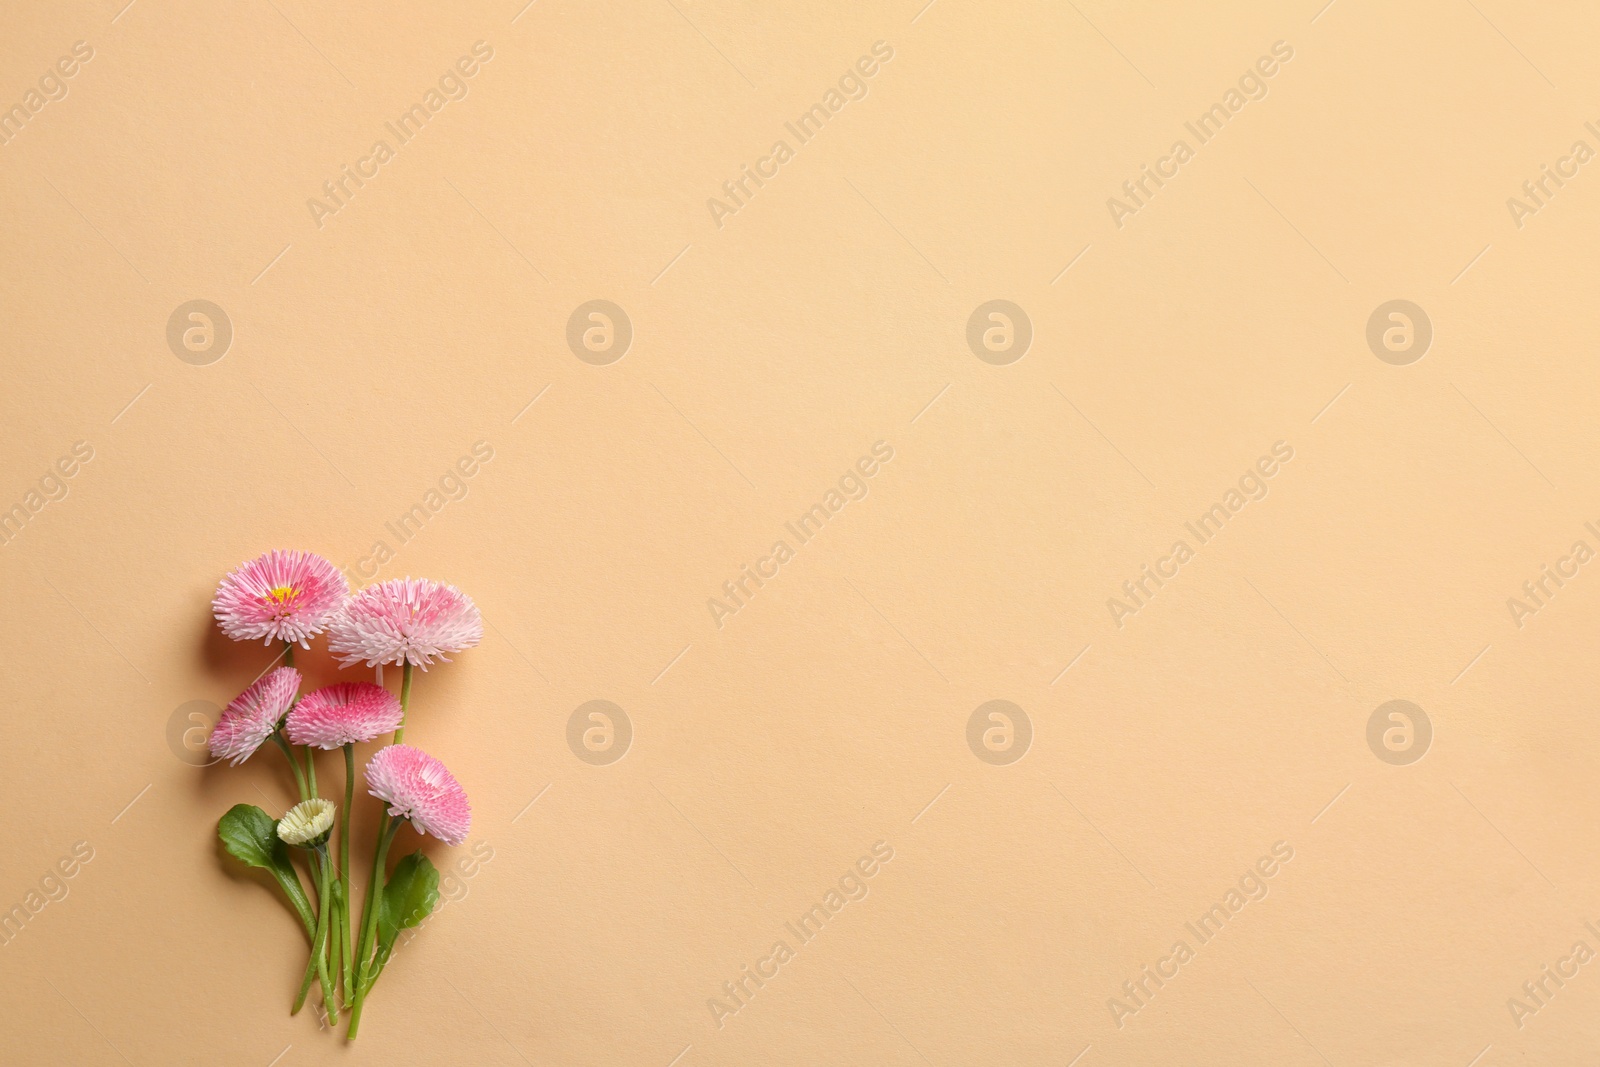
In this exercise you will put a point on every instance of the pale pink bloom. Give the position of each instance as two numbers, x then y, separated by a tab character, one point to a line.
343	714
254	715
418	787
404	620
285	595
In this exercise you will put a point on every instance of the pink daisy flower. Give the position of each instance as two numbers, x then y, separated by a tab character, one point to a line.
285	595
418	787
253	715
344	714
404	620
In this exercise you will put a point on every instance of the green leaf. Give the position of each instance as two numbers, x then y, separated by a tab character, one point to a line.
408	898
251	836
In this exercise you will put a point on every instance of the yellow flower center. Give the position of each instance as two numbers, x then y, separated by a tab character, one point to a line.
283	594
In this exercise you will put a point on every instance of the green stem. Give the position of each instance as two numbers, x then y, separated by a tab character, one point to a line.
318	965
299	778
326	974
294	764
405	701
369	918
336	942
289	881
308	788
344	862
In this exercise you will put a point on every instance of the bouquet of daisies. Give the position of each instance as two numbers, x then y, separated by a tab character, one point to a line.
288	597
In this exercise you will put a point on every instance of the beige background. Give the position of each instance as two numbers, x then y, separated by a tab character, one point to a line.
831	712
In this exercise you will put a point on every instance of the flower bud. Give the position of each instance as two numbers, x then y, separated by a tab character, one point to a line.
307	824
